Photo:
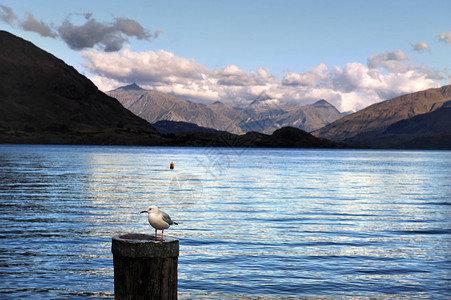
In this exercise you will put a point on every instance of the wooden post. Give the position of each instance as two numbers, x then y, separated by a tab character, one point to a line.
145	268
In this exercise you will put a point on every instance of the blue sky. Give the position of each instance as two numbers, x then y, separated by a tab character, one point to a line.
351	53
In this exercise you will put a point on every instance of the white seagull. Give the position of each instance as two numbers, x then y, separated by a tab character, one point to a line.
158	219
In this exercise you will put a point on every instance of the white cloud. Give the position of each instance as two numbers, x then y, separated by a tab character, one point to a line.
148	68
356	77
231	70
265	73
393	61
307	78
446	37
232	75
191	91
106	84
351	87
420	47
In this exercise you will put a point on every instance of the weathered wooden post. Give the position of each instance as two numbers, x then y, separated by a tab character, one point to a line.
144	268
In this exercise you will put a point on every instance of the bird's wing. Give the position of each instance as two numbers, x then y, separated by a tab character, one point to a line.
166	218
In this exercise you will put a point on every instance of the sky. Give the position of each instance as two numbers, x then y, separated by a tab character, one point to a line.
350	53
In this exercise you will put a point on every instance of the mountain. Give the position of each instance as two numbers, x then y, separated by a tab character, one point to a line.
435	122
377	125
155	106
287	137
426	131
168	127
263	114
310	117
267	115
43	100
133	87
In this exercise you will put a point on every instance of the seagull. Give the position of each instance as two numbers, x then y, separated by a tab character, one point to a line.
158	219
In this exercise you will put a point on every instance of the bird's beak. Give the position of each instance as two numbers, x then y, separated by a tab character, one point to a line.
143	211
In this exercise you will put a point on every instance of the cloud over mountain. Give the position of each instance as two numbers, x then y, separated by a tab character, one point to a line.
307	78
351	87
160	67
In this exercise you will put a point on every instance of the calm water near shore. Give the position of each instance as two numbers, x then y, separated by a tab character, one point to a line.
252	222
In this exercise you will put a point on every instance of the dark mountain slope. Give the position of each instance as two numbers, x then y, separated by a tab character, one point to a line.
367	126
287	137
436	122
44	100
168	127
426	131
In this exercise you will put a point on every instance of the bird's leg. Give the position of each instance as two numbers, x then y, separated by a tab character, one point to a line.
162	231
155	238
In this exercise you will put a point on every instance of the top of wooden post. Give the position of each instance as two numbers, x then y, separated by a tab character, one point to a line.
136	245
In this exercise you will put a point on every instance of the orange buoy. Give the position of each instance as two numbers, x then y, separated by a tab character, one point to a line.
171	166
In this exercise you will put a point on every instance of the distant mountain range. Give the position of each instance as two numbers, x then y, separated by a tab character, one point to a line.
263	114
154	106
416	120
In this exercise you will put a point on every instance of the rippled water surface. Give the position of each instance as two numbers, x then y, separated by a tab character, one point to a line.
252	222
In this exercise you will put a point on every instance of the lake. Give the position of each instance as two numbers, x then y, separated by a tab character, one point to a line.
252	222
